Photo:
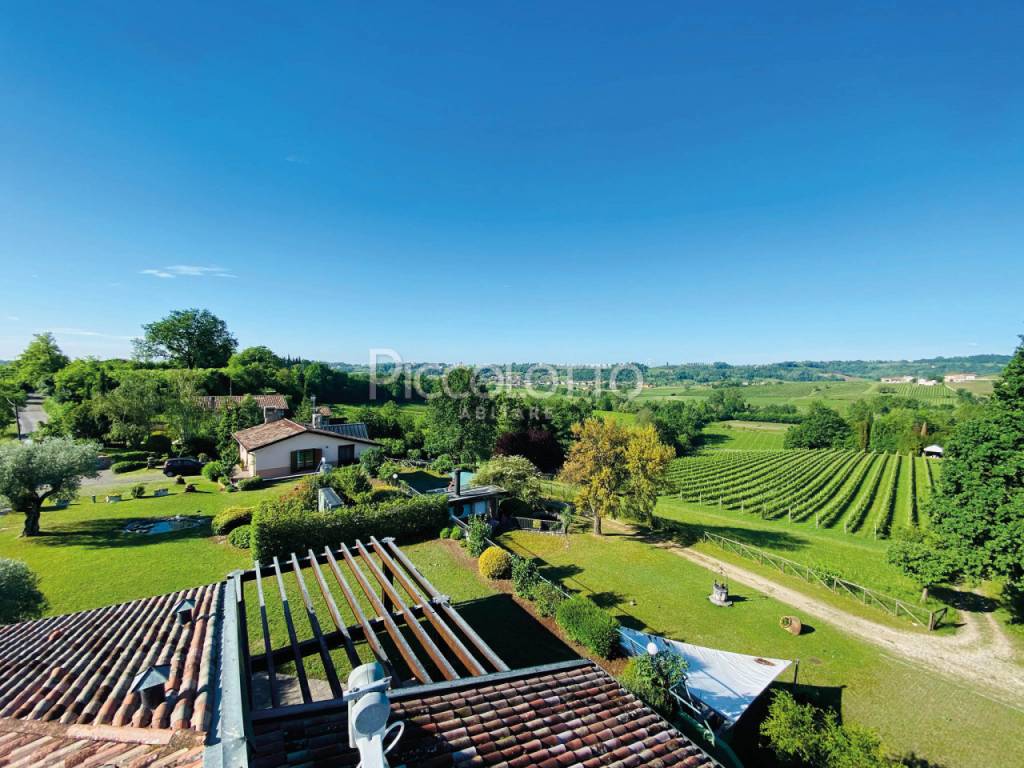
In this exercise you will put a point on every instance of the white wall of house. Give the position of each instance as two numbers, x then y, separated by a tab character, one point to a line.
275	460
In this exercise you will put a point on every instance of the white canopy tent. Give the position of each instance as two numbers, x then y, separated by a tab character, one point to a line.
726	682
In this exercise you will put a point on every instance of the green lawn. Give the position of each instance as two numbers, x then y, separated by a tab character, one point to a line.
656	590
85	560
744	436
859	559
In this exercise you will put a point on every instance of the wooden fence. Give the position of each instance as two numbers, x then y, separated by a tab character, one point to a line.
892	605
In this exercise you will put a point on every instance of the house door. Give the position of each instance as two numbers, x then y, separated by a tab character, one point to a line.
346	454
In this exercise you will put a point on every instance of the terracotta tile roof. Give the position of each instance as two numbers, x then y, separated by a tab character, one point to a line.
567	715
49	745
78	668
270	432
265	434
216	402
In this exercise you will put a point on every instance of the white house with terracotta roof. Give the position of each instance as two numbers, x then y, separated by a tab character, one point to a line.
285	447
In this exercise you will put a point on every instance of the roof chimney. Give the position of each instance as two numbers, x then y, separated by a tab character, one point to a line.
184	610
457	481
149	684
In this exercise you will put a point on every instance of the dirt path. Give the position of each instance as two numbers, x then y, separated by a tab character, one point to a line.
979	652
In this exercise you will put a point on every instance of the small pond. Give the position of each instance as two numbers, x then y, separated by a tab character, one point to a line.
163	525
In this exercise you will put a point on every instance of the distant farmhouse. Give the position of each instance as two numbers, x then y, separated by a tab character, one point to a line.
897	379
960	378
272	407
927	382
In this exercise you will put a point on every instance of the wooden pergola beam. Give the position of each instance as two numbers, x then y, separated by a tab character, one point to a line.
267	645
415	665
300	670
314	623
447	608
431	648
454	643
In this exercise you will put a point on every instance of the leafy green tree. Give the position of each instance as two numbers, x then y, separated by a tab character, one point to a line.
822	428
646	459
39	363
85	378
188	338
596	463
20	596
920	556
460	420
513	473
31	473
11	395
183	409
254	369
977	513
234	418
802	735
133	408
652	678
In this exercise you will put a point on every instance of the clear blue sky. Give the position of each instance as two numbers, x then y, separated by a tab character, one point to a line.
518	181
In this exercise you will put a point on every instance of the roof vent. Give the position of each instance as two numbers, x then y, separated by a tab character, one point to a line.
149	684
184	610
368	713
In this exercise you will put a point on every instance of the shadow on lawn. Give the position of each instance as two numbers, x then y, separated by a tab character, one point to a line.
687	534
109	533
514	634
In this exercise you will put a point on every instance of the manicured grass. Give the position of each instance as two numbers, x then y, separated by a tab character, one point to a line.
859	559
744	436
659	591
627	419
85	560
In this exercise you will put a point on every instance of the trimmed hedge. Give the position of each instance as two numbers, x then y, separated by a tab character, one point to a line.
583	622
132	455
126	466
230	518
241	537
250	483
495	563
547	599
284	526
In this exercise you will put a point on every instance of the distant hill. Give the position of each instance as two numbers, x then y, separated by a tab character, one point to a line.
806	370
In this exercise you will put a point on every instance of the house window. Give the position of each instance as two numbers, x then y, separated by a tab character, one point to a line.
307	459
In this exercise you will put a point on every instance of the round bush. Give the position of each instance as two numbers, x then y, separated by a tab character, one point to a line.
20	598
445	533
230	518
213	470
138	491
126	466
456	533
495	563
240	537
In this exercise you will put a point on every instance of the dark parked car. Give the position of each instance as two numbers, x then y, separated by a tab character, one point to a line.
182	466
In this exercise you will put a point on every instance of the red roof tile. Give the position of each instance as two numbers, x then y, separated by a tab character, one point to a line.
78	668
50	745
574	715
270	432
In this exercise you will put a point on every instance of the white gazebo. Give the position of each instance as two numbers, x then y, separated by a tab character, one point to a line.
933	451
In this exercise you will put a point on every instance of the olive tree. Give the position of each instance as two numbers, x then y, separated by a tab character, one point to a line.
31	473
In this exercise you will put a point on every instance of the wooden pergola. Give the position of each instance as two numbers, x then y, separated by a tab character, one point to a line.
405	622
